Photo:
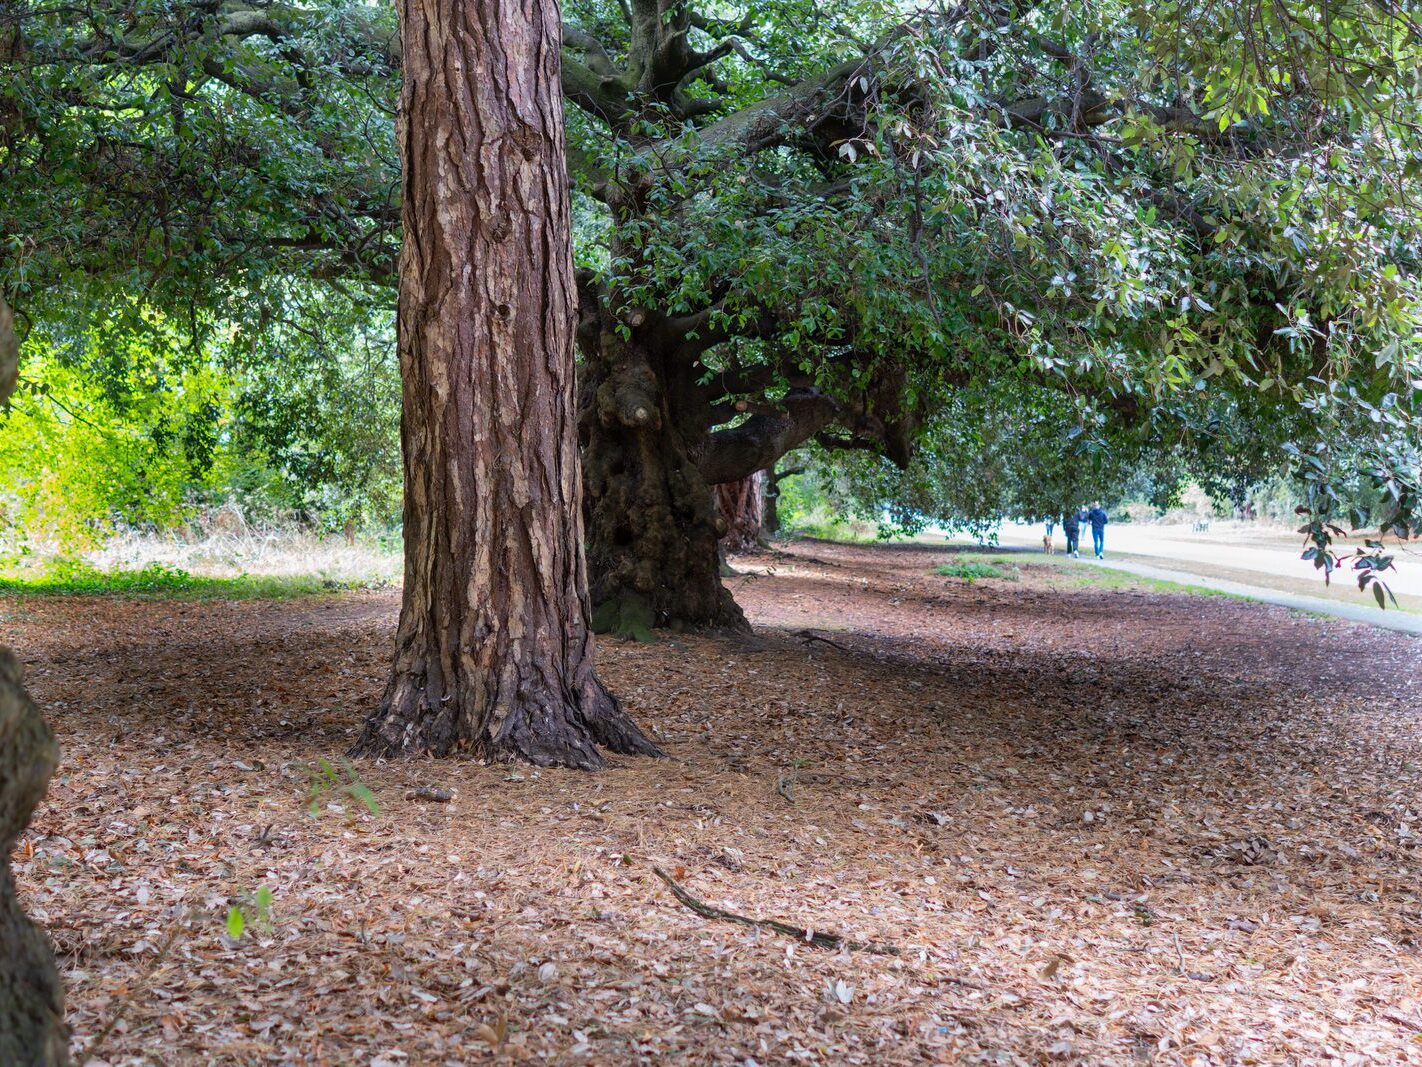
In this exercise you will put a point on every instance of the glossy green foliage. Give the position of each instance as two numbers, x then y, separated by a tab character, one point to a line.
1186	234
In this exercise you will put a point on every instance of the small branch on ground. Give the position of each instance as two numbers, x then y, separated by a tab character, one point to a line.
818	938
808	636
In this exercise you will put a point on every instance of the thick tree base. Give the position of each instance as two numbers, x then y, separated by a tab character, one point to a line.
534	727
632	617
652	527
32	1030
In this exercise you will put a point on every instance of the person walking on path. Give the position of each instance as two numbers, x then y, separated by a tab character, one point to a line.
1098	520
1071	528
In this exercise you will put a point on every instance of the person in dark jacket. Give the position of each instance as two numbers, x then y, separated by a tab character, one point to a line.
1098	520
1071	527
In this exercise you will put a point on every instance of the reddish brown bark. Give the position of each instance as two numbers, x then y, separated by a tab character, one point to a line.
494	650
741	506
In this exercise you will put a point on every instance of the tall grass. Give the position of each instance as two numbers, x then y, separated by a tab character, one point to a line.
222	564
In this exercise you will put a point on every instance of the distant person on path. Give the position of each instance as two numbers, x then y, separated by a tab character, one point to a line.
1098	521
1071	527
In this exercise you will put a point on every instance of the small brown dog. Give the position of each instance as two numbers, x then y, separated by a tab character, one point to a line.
1048	546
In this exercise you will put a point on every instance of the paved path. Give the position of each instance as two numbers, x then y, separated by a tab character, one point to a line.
1276	555
1403	622
1266	555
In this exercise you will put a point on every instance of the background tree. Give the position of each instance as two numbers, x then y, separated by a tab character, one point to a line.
774	476
494	649
200	218
115	429
741	506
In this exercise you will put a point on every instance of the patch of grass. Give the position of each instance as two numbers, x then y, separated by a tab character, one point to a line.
1086	576
971	570
158	581
822	524
989	556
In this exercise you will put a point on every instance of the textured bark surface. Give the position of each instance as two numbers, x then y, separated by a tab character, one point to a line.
494	649
9	352
32	1030
652	522
742	508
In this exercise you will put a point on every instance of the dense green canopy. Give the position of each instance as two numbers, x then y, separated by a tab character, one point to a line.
1169	231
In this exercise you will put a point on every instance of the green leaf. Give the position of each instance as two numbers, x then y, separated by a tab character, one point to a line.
235	923
362	793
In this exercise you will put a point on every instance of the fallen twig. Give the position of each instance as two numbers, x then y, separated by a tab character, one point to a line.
823	778
786	780
818	938
807	636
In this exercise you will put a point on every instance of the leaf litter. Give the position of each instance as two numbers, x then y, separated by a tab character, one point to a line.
1102	826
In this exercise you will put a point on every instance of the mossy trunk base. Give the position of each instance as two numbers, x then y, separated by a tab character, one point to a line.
653	560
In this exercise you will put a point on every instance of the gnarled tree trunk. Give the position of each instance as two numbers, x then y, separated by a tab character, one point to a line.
494	649
652	524
32	1031
742	508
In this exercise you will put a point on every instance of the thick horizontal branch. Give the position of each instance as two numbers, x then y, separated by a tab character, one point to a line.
739	451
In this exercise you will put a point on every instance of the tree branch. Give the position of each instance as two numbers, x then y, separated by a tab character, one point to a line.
739	451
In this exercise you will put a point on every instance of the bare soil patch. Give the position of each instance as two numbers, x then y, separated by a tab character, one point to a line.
1103	826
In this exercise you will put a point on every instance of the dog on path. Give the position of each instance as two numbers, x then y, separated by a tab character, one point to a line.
1048	546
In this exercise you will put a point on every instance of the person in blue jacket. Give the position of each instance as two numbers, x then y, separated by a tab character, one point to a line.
1098	520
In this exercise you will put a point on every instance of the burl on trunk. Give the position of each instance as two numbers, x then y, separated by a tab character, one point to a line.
494	649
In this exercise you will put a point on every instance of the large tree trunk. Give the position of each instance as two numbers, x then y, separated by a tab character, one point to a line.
494	649
742	508
652	524
32	1031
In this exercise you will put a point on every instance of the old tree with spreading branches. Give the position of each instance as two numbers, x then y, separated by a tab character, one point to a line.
817	224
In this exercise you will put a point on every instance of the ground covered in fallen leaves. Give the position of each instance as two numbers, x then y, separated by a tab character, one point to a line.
1103	825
